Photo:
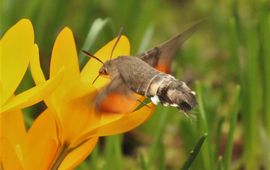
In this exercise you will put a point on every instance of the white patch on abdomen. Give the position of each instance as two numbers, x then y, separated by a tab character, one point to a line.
174	105
155	99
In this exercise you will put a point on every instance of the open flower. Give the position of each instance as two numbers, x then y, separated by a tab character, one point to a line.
17	48
18	148
71	104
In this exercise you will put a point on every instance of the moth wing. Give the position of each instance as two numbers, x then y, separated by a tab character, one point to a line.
162	55
116	97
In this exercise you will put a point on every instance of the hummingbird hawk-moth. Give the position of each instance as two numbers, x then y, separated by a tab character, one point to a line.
139	74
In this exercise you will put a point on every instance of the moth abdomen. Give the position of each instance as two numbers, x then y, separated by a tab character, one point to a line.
172	92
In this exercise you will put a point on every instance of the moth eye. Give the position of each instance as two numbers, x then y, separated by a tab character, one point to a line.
104	71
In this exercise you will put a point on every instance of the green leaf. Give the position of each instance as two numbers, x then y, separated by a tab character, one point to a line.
233	121
203	127
194	153
93	33
155	147
148	34
143	163
93	163
113	152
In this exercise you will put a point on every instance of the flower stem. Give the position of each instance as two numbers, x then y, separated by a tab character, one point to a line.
62	153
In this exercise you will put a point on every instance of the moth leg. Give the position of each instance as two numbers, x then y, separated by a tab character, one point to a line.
131	95
143	103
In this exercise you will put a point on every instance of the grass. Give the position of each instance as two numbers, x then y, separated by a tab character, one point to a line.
230	52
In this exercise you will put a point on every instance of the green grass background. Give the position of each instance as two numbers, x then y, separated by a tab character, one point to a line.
227	63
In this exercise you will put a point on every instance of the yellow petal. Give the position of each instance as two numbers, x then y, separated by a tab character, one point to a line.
45	122
41	138
8	156
36	70
90	71
112	124
91	130
41	154
77	114
64	55
78	155
12	127
33	95
16	47
126	123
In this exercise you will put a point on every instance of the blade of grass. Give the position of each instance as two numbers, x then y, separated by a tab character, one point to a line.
93	33
50	14
203	126
193	154
233	121
113	152
218	137
265	39
136	15
147	36
31	8
251	96
162	163
154	148
264	25
220	164
93	163
188	134
143	163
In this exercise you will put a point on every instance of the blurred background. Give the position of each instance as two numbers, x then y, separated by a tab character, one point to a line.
227	63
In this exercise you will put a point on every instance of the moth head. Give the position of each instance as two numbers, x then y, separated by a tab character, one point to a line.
103	70
106	69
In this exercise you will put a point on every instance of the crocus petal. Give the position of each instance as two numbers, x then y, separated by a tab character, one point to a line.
77	156
78	110
44	124
112	124
16	47
64	55
12	127
41	138
127	122
33	95
90	71
41	154
8	156
35	68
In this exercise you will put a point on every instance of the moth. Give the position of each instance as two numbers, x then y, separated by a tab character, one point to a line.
139	74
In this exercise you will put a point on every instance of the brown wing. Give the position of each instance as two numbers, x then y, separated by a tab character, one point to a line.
163	54
115	97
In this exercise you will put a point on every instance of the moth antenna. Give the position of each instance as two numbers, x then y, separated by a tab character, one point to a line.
117	40
91	55
96	79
